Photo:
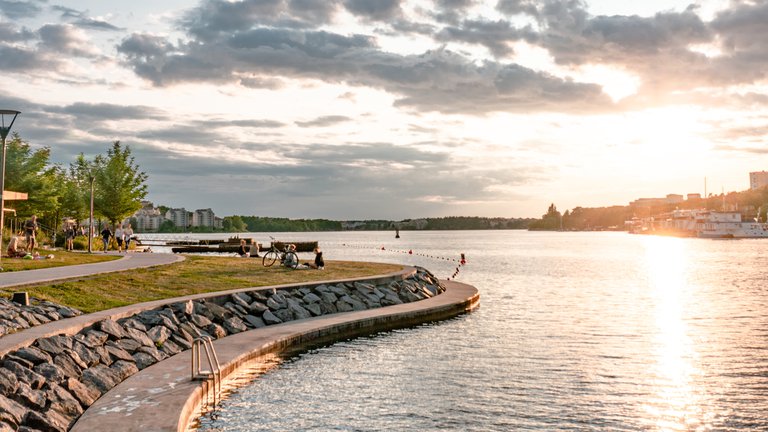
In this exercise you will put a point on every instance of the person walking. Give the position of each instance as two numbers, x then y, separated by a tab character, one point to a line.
69	236
30	230
106	233
119	236
127	233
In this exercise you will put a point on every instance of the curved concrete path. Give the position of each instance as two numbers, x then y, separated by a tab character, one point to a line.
163	397
128	262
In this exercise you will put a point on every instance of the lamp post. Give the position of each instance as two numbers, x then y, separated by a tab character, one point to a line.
90	222
4	134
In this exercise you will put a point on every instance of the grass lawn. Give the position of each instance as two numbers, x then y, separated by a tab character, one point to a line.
196	274
60	258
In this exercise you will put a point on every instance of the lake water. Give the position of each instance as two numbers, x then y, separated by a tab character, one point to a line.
575	331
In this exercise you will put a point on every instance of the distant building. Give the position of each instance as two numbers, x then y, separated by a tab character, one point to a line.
758	179
203	218
694	196
180	217
657	202
148	218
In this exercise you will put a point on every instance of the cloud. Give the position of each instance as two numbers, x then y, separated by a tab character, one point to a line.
82	20
324	121
19	9
375	10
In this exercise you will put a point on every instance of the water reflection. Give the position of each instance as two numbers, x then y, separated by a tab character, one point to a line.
675	404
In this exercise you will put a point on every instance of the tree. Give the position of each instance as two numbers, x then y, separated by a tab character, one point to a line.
119	184
28	171
234	224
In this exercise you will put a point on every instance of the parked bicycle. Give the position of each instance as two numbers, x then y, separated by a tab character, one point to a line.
287	257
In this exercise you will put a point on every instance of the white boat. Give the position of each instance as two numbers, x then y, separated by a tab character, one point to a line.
705	224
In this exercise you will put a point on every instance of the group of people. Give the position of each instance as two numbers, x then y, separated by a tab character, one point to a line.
29	229
253	251
122	237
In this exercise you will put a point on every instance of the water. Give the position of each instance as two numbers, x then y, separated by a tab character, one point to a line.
576	331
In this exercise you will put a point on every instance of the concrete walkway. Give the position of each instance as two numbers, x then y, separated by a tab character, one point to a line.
128	262
163	397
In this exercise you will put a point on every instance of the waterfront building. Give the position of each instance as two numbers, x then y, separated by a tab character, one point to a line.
180	217
148	218
203	218
758	179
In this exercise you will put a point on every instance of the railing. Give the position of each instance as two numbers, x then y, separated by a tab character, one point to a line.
212	374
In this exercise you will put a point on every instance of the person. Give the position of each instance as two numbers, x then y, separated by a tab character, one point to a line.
289	259
243	250
13	250
255	250
69	236
30	228
319	263
128	233
119	237
106	233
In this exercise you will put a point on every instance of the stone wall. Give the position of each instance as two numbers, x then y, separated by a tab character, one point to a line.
48	385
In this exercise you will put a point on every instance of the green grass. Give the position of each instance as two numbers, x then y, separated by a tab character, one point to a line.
196	274
60	258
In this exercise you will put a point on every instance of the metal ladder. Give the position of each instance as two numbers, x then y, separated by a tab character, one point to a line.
213	373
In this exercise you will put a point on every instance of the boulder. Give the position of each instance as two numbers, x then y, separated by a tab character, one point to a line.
63	402
89	357
254	321
154	353
314	309
139	336
270	318
101	377
235	325
133	323
285	315
8	381
129	345
92	338
311	298
217	313
33	354
86	395
11	411
30	397
170	348
68	365
257	307
123	369
159	334
216	331
143	360
25	375
199	320
55	344
50	421
185	308
117	353
51	372
241	299
112	328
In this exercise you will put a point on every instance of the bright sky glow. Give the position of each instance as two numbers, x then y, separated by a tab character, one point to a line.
367	109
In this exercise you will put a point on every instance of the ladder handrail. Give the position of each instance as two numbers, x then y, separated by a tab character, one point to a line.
214	372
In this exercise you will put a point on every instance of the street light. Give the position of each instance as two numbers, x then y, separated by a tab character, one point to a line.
90	223
4	134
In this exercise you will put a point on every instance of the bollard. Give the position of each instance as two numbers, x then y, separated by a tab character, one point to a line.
21	298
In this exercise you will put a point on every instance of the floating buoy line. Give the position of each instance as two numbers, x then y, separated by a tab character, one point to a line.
462	260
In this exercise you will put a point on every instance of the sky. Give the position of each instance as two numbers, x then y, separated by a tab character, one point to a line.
395	109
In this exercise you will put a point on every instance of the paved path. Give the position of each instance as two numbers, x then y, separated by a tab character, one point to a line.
129	261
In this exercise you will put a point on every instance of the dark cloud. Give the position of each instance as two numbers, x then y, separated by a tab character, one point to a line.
11	33
19	9
63	39
324	121
104	112
375	10
14	59
82	20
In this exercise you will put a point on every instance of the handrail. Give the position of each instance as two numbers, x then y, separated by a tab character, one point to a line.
214	371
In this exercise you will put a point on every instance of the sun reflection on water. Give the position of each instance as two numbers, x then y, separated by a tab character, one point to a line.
676	405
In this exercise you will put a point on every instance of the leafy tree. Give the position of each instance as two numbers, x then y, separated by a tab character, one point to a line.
234	224
28	171
119	183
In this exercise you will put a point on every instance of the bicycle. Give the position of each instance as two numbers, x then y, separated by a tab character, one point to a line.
286	257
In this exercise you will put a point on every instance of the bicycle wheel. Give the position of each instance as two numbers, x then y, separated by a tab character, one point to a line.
291	260
269	258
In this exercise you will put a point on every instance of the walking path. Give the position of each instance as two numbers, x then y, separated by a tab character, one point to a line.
128	262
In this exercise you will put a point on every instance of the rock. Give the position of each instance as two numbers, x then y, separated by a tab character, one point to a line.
219	313
63	402
258	296
33	354
254	321
355	303
311	298
129	345
89	357
285	315
93	338
321	289
5	427
101	377
328	297
51	372
216	331
133	323
75	357
117	353
299	312
50	421
274	304
24	375
26	363
143	360
86	395
340	290
241	299
55	344
123	369
66	312
343	306
154	353
11	411
270	318
8	382
34	399
181	341
139	336
170	348
112	328
191	329
328	308
104	357
68	365
200	320
314	309
186	307
159	334
235	325
257	307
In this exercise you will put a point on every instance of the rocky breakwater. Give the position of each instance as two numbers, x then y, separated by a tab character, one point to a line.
46	386
15	317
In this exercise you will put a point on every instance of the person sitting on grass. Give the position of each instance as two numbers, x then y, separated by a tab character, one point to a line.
319	264
14	251
289	259
243	250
